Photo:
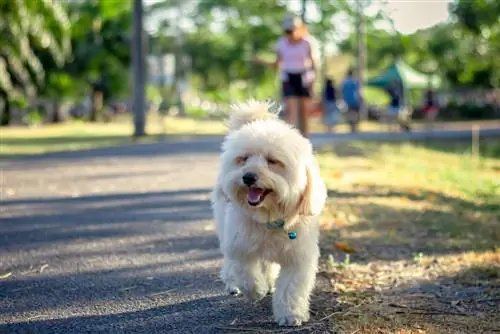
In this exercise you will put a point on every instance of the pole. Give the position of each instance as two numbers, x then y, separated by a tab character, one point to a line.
138	70
475	141
303	11
360	36
302	117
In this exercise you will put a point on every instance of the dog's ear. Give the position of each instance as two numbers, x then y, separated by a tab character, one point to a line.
314	195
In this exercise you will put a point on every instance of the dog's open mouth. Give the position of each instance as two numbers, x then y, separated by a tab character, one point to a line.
256	196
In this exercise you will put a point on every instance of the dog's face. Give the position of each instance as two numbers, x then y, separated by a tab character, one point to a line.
264	168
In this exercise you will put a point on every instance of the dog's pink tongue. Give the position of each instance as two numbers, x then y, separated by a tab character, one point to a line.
254	194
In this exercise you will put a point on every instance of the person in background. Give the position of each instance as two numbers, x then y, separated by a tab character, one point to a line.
395	103
352	98
296	56
430	108
331	112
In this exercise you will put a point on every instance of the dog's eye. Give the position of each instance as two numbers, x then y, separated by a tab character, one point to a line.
272	161
241	160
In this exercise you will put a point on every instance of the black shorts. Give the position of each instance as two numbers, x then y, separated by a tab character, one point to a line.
294	87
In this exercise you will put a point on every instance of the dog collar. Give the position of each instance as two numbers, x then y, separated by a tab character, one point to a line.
280	223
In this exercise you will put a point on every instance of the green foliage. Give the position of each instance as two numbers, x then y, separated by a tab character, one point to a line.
477	16
34	117
28	29
463	51
455	111
37	37
479	38
101	43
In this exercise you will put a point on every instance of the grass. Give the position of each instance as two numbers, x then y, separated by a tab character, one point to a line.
421	226
79	135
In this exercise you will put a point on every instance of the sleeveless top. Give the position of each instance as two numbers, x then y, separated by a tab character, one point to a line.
295	57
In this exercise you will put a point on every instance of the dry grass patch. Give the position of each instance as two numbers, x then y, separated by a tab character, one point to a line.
411	240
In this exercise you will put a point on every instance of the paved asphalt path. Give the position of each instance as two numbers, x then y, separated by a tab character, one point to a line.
116	240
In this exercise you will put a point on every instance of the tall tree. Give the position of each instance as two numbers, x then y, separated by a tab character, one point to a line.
101	34
480	41
139	89
27	27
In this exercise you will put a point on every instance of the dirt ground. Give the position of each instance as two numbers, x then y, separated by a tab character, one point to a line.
411	239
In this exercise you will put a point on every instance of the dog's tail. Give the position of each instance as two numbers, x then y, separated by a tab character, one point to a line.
247	112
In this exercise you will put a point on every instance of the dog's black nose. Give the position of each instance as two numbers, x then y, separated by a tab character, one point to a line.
249	178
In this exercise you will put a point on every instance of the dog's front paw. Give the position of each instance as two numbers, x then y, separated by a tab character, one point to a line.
232	290
255	293
291	320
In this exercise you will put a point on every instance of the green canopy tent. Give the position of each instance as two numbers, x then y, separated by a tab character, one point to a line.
402	73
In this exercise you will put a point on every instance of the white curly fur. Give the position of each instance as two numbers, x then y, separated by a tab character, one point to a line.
258	260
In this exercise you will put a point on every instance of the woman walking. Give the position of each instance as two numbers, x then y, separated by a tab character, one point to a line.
296	55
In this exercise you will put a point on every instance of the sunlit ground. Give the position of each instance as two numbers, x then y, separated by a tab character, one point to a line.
420	223
413	234
79	135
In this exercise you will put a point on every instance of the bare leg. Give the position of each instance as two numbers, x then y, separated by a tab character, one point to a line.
304	111
292	106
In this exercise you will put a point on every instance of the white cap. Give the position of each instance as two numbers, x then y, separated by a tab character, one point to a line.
291	22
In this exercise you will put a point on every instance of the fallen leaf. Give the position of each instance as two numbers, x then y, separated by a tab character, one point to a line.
413	191
342	246
327	225
337	175
431	197
404	200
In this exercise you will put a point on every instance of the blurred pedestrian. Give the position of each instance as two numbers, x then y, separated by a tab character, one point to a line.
352	98
430	108
395	103
296	57
331	111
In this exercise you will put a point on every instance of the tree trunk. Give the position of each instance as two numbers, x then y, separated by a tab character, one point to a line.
97	105
178	79
138	68
323	67
361	56
5	115
302	117
303	11
56	113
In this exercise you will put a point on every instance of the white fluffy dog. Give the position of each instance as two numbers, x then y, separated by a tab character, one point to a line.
266	204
